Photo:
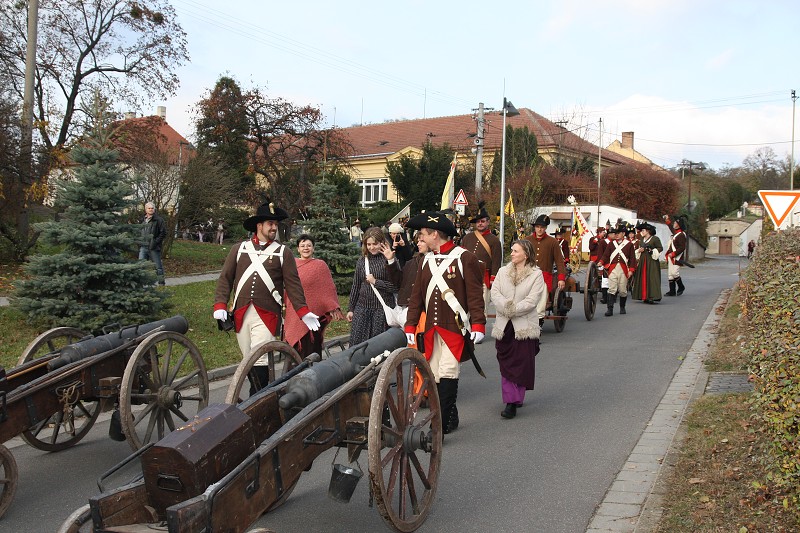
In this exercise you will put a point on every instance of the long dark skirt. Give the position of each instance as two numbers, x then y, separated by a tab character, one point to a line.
517	358
367	323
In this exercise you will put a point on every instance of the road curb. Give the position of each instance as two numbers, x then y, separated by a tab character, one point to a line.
632	503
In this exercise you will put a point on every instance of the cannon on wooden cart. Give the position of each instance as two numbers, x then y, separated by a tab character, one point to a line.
236	461
559	302
152	374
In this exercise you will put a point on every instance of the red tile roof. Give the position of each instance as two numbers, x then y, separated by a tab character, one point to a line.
459	132
168	139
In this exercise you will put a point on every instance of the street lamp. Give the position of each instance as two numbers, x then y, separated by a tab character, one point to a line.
508	111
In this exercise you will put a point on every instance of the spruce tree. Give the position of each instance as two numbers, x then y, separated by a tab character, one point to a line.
93	280
332	244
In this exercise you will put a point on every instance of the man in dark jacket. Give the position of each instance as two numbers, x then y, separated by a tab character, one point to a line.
154	231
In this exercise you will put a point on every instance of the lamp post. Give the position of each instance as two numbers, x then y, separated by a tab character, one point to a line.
699	166
508	111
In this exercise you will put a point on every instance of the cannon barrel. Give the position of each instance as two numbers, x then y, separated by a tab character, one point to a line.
325	376
105	343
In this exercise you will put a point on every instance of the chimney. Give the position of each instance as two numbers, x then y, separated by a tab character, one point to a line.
161	111
129	115
627	140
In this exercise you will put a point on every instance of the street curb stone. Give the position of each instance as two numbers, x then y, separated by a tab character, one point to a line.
656	443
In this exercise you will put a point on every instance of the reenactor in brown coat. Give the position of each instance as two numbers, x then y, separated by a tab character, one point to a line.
619	260
449	289
486	247
548	253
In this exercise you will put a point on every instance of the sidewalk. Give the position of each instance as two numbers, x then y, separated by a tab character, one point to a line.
632	503
178	280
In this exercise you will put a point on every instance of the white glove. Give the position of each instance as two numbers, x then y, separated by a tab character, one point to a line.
221	314
311	321
410	338
476	337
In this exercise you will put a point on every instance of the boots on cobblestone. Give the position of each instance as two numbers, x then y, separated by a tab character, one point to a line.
622	301
448	392
671	289
681	288
611	299
604	296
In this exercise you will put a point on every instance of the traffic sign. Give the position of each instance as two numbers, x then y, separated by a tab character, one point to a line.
779	205
461	198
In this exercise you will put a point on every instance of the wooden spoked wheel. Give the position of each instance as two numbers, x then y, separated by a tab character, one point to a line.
79	521
66	427
50	342
167	375
591	288
280	358
404	440
559	307
9	475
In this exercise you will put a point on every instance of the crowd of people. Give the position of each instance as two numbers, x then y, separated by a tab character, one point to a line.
440	280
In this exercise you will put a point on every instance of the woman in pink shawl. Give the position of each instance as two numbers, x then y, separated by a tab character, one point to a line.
321	299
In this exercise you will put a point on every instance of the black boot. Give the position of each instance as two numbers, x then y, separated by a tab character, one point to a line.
681	288
448	392
622	301
510	411
671	289
611	299
604	296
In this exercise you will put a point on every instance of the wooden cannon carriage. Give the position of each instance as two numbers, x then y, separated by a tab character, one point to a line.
152	374
236	461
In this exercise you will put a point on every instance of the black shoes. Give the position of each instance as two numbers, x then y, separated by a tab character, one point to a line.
671	289
510	411
622	301
681	288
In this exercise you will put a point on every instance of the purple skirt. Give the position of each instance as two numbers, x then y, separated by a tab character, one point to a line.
517	358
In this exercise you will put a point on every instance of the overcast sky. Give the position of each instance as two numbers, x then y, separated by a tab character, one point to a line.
705	80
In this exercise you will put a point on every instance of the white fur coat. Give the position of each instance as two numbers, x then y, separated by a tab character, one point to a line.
519	296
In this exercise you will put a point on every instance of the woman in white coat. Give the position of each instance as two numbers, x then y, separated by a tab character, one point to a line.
519	294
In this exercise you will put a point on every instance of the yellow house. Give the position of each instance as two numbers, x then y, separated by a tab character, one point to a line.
625	147
375	145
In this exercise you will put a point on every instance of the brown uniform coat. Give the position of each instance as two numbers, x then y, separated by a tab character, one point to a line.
628	263
548	253
491	263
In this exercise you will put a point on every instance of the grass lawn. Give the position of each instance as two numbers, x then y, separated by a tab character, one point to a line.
717	482
193	301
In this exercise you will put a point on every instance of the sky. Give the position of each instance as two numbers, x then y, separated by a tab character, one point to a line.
704	80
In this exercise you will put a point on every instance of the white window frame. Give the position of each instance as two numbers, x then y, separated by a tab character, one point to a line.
374	190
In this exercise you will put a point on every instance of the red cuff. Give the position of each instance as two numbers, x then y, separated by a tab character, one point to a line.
410	329
303	311
562	277
491	279
479	327
220	306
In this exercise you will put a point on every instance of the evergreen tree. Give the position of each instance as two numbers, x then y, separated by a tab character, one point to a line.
332	244
91	282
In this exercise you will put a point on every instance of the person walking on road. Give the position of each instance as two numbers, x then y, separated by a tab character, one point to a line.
486	247
619	260
647	278
448	289
519	294
154	231
676	251
257	272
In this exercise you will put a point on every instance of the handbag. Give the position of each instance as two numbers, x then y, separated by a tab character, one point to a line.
395	316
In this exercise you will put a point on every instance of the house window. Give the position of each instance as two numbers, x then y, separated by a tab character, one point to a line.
374	190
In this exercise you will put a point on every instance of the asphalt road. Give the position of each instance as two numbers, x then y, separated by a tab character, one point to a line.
597	386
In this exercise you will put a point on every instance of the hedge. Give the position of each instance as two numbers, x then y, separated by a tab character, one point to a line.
771	290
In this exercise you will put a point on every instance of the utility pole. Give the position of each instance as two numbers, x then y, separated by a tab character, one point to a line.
479	150
791	164
599	168
26	133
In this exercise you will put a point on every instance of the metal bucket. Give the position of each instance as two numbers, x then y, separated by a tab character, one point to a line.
343	482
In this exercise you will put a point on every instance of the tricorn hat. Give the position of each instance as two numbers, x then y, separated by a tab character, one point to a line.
482	213
560	230
681	220
542	220
433	220
267	211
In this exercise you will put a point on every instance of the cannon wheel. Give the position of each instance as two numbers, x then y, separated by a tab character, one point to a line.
167	373
404	441
79	521
239	389
559	303
48	434
9	475
590	290
49	342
